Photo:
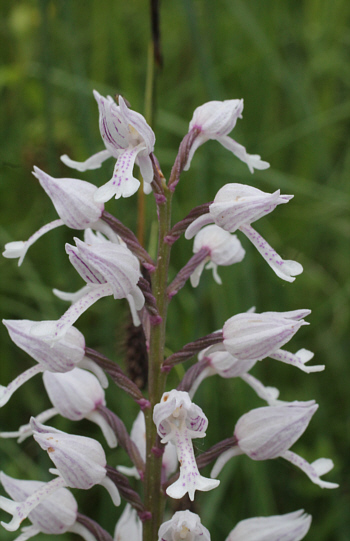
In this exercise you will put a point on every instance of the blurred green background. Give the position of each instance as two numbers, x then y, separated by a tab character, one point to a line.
290	62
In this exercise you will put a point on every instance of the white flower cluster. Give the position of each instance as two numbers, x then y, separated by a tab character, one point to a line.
109	261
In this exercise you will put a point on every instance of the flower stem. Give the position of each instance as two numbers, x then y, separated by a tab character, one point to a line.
154	497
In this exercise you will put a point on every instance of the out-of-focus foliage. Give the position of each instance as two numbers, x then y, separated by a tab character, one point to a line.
290	62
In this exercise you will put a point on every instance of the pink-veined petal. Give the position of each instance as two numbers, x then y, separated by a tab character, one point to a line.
122	183
253	161
94	162
285	269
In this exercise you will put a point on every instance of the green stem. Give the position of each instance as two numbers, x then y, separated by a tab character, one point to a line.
154	498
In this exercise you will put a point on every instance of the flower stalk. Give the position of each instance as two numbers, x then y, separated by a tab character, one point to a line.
154	499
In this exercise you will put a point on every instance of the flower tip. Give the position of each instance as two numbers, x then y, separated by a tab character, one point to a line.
37	171
96	94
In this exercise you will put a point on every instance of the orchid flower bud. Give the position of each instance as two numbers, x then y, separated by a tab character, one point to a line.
80	461
269	432
179	420
236	206
91	238
184	526
63	356
251	336
225	249
129	526
77	395
215	120
289	527
129	139
73	199
107	263
74	202
109	269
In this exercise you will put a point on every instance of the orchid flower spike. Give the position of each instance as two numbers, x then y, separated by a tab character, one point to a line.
80	461
138	436
184	525
224	249
179	420
236	206
268	433
252	337
215	120
129	526
109	269
74	202
55	515
75	395
129	139
289	527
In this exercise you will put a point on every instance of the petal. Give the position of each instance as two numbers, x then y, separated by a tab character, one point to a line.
197	224
195	276
21	510
146	167
55	330
253	161
72	199
189	482
61	357
7	392
123	183
285	269
81	461
114	131
236	204
217	118
223	459
105	427
74	394
129	526
19	248
138	122
199	140
288	527
94	162
314	470
267	432
269	394
298	359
